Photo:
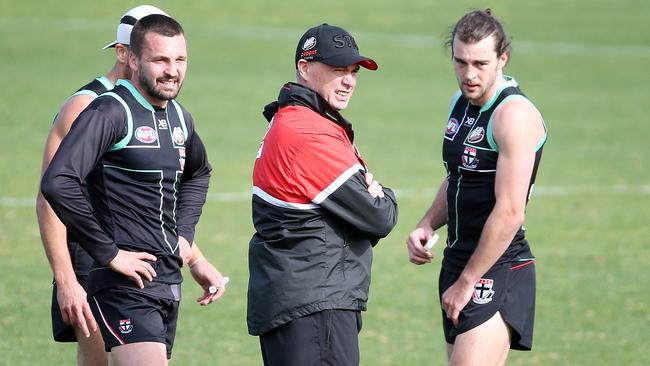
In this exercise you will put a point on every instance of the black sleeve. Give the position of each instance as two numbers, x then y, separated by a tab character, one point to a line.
92	134
352	203
194	187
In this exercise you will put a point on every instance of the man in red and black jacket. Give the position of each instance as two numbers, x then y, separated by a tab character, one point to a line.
317	212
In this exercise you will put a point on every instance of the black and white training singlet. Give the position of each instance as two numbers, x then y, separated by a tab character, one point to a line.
470	157
96	87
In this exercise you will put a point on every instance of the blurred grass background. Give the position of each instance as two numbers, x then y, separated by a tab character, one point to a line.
584	64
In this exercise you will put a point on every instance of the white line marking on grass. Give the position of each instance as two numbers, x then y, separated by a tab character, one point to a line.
539	191
17	202
276	34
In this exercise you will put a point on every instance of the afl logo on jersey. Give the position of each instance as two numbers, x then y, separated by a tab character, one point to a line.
476	135
146	134
469	158
452	126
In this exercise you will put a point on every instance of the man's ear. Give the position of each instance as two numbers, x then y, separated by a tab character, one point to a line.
503	60
132	61
303	69
122	53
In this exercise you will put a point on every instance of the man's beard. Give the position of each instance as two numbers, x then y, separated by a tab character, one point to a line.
154	91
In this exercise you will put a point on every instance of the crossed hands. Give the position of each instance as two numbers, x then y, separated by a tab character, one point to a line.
374	188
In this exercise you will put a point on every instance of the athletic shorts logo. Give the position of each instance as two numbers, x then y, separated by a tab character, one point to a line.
125	326
452	126
476	135
483	291
469	158
178	136
146	134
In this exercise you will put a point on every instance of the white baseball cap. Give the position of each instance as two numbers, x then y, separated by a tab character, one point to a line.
128	21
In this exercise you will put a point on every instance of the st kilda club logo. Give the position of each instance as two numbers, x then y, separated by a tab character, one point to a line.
469	158
483	291
125	326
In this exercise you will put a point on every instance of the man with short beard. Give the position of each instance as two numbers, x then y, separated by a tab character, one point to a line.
72	320
147	178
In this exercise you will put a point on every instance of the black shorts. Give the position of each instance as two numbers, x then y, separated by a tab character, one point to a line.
507	288
329	337
81	263
128	316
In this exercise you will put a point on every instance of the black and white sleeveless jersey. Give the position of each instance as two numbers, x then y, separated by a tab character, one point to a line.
147	177
470	157
96	87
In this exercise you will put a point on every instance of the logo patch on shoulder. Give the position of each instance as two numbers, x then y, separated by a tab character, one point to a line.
146	134
476	135
178	136
452	126
483	291
125	326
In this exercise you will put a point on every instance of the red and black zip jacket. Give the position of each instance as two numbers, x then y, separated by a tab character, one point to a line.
314	218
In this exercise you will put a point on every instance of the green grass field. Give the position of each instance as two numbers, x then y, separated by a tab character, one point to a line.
584	63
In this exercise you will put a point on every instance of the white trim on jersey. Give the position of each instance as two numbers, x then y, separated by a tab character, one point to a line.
162	198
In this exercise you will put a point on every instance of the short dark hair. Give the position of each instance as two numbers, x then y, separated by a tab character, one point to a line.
155	23
476	26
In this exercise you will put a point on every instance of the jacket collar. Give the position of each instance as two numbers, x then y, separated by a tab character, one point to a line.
296	94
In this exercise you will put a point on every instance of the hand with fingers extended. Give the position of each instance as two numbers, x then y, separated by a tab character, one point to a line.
206	275
374	188
74	307
415	242
134	265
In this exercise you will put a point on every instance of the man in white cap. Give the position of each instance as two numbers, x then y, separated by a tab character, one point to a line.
72	320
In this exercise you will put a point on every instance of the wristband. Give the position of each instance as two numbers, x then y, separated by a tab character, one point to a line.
195	261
